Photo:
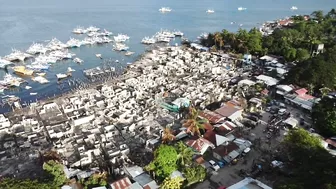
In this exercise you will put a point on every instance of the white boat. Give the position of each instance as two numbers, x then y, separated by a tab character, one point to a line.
241	8
38	66
10	80
61	76
88	41
163	39
203	36
70	69
148	40
56	44
78	60
98	55
60	55
79	30
36	48
17	55
165	9
33	94
106	33
121	38
120	47
40	79
294	8
46	59
28	87
41	74
73	43
210	11
129	53
2	89
92	29
106	39
178	33
4	63
165	33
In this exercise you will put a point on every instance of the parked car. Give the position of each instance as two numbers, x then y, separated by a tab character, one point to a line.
282	111
256	114
253	118
214	165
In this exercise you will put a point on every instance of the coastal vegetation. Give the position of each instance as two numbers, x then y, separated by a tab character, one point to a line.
310	163
324	116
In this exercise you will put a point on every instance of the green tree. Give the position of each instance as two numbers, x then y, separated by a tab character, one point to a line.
56	170
324	116
10	183
318	15
185	154
164	163
194	174
254	42
175	183
95	180
302	54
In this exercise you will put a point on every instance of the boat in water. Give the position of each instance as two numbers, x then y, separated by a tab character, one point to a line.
11	81
121	38
38	66
210	11
41	74
40	79
61	55
17	55
99	56
56	44
37	48
46	59
294	8
78	60
98	71
79	30
165	9
28	87
70	70
148	40
203	36
129	53
163	39
241	8
62	76
120	47
73	43
178	33
33	94
23	70
92	29
4	63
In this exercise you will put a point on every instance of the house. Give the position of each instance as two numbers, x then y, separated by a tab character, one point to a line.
133	171
231	111
146	181
121	183
269	81
222	151
249	183
200	145
283	89
255	104
212	117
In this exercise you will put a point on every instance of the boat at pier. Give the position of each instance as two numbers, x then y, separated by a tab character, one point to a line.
97	71
92	29
4	63
78	60
162	39
11	81
73	43
38	66
148	40
178	33
40	79
23	70
165	9
62	75
60	55
17	55
129	53
36	48
79	30
55	44
46	59
120	47
121	38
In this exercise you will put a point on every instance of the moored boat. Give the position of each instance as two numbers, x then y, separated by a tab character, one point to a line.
22	70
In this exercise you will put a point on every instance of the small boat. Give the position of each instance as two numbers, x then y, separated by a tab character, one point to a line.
240	25
241	8
40	79
78	60
79	30
33	94
22	70
210	11
70	69
129	53
2	89
61	76
28	87
73	43
294	8
4	63
165	9
92	29
120	47
148	40
38	66
178	33
121	38
99	56
41	74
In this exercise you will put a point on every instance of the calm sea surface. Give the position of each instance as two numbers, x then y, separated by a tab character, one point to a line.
23	22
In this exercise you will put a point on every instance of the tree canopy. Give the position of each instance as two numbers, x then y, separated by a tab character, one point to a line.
172	183
324	116
10	183
312	165
57	172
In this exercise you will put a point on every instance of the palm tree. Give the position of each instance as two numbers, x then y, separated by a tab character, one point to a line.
167	135
185	153
193	123
324	91
218	39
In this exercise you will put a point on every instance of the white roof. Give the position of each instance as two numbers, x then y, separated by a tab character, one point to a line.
221	140
284	88
246	82
268	80
245	184
291	121
281	71
268	58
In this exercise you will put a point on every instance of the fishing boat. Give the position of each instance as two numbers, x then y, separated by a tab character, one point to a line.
36	48
11	81
120	47
78	60
22	70
46	59
37	66
60	55
178	33
106	39
55	44
97	71
70	70
210	11
79	30
40	79
163	39
121	38
99	56
33	94
17	55
28	87
148	40
294	8
241	8
73	43
92	29
61	76
4	63
165	9
129	53
41	74
106	33
2	88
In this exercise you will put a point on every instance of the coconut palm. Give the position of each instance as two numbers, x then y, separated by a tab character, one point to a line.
194	123
167	135
185	153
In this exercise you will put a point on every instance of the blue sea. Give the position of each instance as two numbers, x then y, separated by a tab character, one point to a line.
23	22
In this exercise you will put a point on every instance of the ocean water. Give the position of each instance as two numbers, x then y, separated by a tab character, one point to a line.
23	22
